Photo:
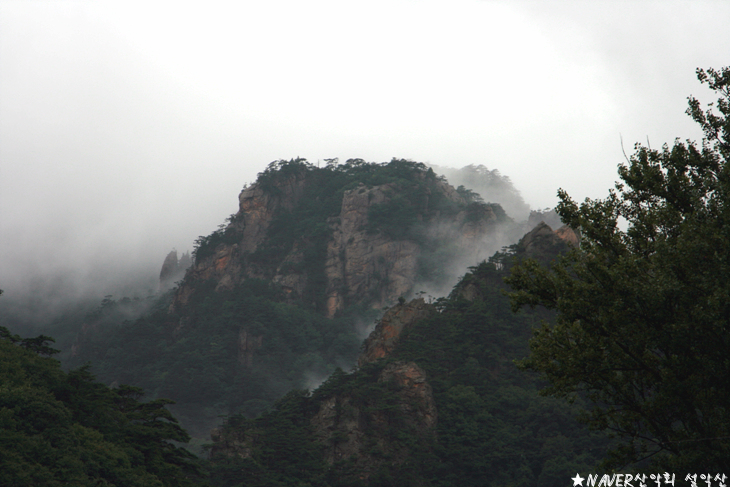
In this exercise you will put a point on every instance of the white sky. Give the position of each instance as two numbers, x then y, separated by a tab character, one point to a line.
129	128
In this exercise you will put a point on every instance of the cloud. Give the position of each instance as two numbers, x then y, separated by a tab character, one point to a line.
128	128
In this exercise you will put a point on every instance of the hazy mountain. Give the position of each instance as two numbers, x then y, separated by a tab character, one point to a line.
278	301
436	400
284	292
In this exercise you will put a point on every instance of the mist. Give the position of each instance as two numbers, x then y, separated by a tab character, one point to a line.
127	129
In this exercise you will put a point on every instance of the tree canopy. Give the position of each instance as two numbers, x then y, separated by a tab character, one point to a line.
59	428
492	428
643	306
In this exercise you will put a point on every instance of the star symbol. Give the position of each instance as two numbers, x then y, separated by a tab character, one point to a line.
577	480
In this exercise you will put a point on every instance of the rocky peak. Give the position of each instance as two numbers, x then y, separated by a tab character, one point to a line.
368	255
543	232
259	203
173	269
568	235
543	243
546	216
248	229
537	237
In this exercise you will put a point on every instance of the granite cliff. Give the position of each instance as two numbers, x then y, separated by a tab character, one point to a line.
384	338
356	255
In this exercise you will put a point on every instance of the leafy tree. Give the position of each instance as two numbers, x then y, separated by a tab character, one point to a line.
60	428
643	307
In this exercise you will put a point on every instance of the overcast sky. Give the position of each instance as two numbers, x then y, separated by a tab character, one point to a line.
129	128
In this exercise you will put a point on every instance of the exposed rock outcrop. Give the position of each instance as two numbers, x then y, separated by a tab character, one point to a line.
361	264
384	337
542	240
568	235
358	429
173	269
359	432
364	430
227	265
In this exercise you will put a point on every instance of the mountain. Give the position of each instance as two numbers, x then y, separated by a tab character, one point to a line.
356	233
284	292
436	400
276	303
490	185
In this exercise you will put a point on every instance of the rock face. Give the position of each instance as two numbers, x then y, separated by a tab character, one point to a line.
568	235
384	337
227	265
361	265
173	269
542	240
359	432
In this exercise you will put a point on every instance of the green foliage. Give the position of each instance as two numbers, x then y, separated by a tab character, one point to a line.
234	351
642	309
282	451
398	215
281	170
205	246
37	345
61	428
493	427
412	201
469	195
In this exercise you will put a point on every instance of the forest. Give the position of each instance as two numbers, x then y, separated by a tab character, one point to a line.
597	347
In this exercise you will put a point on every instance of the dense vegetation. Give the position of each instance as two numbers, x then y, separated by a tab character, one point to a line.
238	350
59	428
493	427
643	311
205	364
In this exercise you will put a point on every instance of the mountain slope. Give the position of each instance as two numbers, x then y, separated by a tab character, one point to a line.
283	293
437	400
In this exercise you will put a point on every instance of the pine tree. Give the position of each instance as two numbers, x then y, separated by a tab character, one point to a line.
643	307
